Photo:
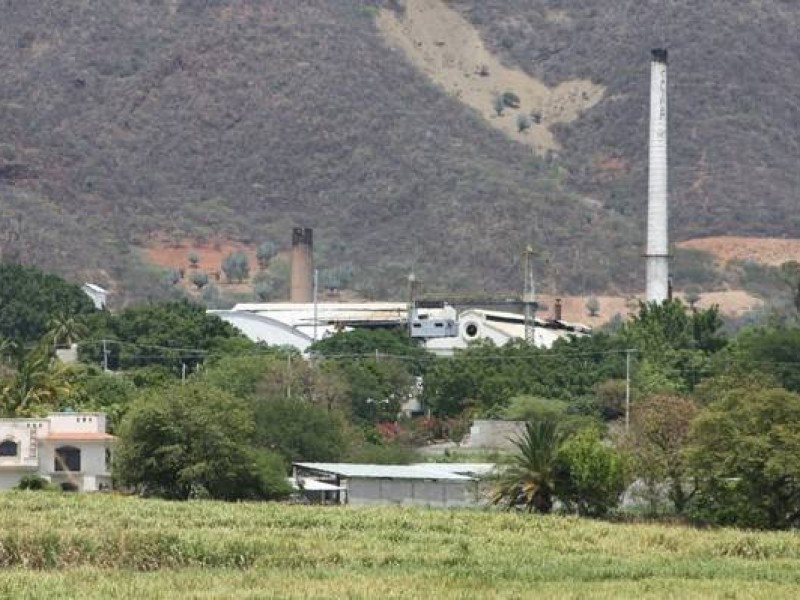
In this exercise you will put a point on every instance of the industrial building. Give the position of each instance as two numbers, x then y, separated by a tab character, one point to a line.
441	330
424	484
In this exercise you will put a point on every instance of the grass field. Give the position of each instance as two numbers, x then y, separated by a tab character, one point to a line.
59	546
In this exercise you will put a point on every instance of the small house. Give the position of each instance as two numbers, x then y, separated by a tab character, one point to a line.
72	450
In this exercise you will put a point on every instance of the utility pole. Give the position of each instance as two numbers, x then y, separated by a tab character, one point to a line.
528	296
628	389
316	290
289	377
412	297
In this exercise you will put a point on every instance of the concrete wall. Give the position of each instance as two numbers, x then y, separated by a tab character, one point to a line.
493	435
77	423
410	491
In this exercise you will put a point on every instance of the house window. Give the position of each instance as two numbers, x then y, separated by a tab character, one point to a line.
68	458
9	448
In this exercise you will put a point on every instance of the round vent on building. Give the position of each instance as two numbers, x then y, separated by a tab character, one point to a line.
471	330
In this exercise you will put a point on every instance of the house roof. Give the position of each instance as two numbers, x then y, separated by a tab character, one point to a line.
363	471
77	436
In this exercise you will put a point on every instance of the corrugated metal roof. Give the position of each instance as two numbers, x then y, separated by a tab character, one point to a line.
470	469
419	471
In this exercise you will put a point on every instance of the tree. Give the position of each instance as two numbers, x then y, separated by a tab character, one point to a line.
265	253
29	298
790	274
39	383
173	276
593	306
299	430
523	123
534	409
365	343
656	443
773	351
194	259
236	266
692	296
199	279
744	451
264	290
591	475
510	99
498	105
66	329
530	479
94	390
193	441
610	398
168	334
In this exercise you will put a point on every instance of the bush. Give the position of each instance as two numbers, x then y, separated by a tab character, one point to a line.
34	483
200	279
510	99
591	475
265	253
236	266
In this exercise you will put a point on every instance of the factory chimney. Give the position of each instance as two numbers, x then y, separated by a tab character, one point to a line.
657	214
301	289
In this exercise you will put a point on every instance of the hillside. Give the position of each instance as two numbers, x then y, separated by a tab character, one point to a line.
229	119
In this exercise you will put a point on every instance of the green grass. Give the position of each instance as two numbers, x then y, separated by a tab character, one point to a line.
112	547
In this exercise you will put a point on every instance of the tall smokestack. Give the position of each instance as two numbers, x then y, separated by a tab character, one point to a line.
301	289
657	215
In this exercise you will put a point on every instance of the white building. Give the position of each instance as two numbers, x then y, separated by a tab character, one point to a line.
72	450
98	295
293	324
425	484
501	328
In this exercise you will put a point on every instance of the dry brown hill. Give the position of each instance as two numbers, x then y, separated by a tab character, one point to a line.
237	119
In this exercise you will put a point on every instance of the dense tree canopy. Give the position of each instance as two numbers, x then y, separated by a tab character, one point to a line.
745	454
193	441
169	334
29	299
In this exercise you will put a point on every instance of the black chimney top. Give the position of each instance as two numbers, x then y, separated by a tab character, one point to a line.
660	55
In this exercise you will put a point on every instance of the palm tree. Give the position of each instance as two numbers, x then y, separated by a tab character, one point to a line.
530	480
9	350
39	381
65	328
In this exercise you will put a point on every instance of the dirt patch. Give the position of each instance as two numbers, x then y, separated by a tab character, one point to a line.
172	255
448	49
731	302
767	251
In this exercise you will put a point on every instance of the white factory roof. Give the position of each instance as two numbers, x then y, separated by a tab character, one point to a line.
418	471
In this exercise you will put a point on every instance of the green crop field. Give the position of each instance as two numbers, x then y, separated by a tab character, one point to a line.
59	546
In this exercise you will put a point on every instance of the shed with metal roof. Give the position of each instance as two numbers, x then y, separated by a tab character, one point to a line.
419	484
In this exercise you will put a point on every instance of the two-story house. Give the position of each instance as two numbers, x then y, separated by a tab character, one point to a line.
70	449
